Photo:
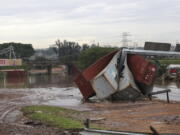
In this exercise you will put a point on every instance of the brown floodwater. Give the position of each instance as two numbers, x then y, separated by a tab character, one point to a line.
37	81
61	81
173	85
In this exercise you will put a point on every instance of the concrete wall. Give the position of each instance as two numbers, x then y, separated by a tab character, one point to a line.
10	62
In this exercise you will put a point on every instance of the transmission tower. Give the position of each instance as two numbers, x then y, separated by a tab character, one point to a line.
9	50
125	39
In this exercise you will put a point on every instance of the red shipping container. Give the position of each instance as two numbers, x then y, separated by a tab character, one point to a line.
142	70
84	86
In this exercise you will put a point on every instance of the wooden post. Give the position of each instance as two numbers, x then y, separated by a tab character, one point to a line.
87	123
150	97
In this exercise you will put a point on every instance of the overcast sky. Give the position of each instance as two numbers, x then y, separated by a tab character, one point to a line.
42	22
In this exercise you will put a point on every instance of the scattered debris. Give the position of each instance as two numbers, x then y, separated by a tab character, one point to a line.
97	119
160	92
33	123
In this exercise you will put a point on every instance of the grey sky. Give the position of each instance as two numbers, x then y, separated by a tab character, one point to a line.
41	22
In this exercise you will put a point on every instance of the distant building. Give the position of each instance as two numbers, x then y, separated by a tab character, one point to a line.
157	46
177	48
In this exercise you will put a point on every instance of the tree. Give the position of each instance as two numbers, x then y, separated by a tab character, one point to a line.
85	46
82	57
67	51
21	50
89	56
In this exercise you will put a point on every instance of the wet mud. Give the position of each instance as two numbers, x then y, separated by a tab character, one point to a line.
138	116
12	121
17	129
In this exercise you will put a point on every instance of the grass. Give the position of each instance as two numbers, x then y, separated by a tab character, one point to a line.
14	67
54	116
163	63
170	61
58	117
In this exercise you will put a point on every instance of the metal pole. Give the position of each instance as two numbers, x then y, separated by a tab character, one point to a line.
151	53
167	97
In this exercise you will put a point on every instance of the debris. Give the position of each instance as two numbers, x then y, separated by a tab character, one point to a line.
160	92
97	119
33	123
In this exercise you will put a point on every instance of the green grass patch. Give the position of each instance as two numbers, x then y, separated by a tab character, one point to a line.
54	116
170	61
14	67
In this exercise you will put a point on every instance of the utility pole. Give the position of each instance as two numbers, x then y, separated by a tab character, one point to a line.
125	39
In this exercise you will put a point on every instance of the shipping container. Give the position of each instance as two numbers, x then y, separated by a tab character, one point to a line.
83	79
156	46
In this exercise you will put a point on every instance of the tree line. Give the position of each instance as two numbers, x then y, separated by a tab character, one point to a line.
68	52
81	56
21	50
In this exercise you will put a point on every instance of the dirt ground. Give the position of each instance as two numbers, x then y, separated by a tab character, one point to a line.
16	129
12	121
121	116
138	116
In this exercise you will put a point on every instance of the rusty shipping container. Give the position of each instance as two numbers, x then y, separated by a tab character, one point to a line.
83	79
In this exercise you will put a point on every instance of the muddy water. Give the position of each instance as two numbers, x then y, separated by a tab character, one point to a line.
37	81
41	82
40	89
174	86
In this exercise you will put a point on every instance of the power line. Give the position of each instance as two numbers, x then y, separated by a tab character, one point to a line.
9	50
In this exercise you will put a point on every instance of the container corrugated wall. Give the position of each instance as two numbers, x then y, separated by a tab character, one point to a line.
83	80
142	70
